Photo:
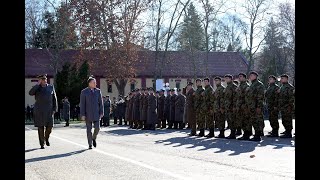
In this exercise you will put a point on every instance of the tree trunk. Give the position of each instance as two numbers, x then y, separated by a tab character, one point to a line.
121	85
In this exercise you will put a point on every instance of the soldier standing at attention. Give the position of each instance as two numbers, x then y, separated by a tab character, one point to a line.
130	110
218	106
160	110
114	110
167	107
197	105
106	108
255	97
272	95
230	105
241	107
44	108
145	107
141	99
152	106
179	109
172	109
286	105
207	108
190	112
136	109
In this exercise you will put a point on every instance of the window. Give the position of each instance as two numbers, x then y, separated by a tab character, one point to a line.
109	88
132	86
178	85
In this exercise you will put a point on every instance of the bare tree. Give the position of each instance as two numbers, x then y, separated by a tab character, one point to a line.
255	12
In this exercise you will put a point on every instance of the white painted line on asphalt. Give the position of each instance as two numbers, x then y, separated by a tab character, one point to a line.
125	159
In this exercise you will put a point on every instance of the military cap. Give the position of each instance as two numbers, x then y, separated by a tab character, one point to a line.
217	78
242	74
206	79
198	79
157	92
190	84
44	76
171	90
273	77
229	76
161	90
284	75
107	96
254	72
178	90
91	77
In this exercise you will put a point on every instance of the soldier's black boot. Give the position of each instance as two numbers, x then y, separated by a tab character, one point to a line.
125	123
120	121
232	134
115	121
238	132
175	125
211	133
181	125
288	134
245	136
256	136
193	133
135	126
130	125
274	133
284	132
169	125
221	135
201	134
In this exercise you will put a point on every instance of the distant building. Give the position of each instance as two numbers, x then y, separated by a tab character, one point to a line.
179	69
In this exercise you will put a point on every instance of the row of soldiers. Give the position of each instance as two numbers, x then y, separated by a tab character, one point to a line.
241	105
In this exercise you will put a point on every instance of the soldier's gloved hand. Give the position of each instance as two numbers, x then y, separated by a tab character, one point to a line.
258	110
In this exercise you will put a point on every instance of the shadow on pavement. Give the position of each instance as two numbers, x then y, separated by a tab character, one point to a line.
29	150
54	156
126	132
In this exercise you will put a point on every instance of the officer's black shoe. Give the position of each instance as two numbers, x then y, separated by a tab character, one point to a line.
244	137
286	135
192	134
90	147
274	133
255	138
270	132
42	147
169	127
238	132
94	143
201	134
284	132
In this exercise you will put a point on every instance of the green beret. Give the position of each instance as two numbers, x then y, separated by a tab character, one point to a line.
217	78
198	79
273	77
254	72
206	79
242	74
229	76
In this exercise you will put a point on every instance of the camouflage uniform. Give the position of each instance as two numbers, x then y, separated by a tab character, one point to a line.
254	99
206	110
286	105
218	105
197	106
241	107
230	105
272	95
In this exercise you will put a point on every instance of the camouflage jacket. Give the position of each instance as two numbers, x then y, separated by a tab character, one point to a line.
272	95
241	95
230	96
219	101
286	97
255	95
206	104
198	98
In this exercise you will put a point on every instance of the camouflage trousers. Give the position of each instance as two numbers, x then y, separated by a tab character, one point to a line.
231	119
209	120
273	118
286	120
220	120
256	120
201	119
242	120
